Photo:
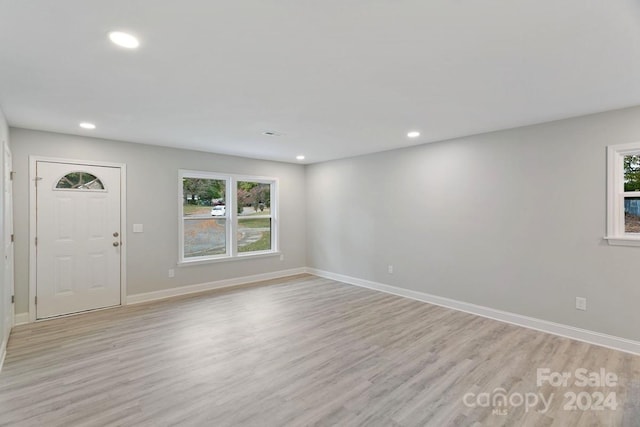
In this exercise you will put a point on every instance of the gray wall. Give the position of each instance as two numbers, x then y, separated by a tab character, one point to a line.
152	192
512	220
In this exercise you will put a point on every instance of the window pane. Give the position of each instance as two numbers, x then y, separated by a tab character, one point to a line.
632	173
632	214
254	234
201	196
203	237
254	198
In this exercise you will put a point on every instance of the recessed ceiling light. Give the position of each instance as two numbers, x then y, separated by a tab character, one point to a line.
87	125
124	39
413	134
300	157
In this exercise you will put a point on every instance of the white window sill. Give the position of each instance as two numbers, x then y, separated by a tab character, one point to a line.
243	257
623	241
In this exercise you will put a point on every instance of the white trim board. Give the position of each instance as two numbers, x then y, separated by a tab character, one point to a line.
219	284
566	331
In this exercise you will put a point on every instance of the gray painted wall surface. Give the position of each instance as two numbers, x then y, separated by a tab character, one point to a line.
512	220
152	188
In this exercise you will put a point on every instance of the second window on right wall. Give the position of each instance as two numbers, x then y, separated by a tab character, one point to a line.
623	198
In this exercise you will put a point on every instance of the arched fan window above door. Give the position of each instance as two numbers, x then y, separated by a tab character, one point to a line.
80	181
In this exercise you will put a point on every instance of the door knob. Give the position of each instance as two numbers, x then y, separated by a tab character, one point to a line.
116	244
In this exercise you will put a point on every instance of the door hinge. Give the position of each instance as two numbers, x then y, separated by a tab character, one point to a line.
13	299
12	238
36	300
36	241
11	175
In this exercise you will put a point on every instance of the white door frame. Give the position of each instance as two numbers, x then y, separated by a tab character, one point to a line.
9	304
33	225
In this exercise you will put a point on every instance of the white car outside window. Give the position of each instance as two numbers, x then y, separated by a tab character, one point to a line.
218	210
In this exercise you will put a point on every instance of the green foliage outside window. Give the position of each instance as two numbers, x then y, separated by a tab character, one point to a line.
632	173
201	191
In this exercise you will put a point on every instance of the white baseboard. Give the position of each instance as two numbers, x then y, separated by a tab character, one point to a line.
201	287
21	319
591	337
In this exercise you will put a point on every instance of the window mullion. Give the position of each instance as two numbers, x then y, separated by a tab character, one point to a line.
233	216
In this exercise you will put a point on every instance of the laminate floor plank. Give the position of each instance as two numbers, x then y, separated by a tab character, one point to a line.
294	352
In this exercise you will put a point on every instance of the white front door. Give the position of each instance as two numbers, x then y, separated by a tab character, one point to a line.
8	238
78	238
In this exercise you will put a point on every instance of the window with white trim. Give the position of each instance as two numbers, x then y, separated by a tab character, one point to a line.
623	198
226	216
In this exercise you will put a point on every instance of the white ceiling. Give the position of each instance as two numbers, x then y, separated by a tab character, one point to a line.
336	78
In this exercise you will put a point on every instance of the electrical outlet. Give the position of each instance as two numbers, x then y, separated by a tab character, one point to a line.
390	269
172	272
581	303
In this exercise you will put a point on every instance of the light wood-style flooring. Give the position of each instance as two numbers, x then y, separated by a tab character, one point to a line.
295	352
